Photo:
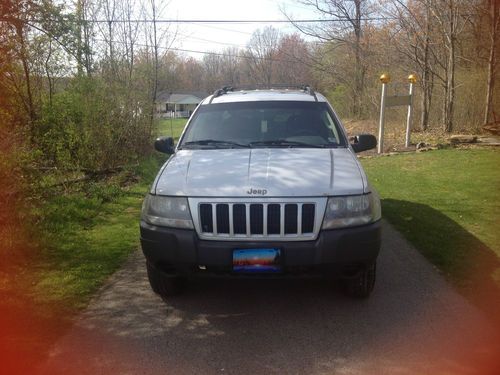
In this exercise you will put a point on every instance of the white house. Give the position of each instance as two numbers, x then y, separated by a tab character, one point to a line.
177	104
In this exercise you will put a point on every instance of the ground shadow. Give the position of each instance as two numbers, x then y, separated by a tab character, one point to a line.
464	259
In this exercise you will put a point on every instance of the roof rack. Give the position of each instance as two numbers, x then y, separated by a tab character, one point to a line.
306	88
220	92
310	91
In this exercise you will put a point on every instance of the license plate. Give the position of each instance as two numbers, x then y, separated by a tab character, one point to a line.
256	260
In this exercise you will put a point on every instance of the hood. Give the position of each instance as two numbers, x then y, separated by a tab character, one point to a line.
269	172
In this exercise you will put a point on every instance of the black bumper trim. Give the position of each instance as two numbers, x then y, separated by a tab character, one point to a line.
181	250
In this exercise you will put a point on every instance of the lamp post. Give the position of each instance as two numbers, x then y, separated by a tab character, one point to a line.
412	79
385	79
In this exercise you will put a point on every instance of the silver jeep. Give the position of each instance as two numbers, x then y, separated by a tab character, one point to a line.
262	183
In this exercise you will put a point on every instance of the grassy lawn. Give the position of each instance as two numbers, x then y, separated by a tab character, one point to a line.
169	127
446	203
88	233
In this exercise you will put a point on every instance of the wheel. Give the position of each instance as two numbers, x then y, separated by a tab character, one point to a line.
163	284
362	284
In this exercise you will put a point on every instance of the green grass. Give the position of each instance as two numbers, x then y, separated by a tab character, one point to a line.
169	127
446	203
88	233
87	230
73	238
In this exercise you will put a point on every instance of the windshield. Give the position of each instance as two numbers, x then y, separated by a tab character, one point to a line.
263	124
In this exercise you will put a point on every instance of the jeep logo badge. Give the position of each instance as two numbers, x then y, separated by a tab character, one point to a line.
257	191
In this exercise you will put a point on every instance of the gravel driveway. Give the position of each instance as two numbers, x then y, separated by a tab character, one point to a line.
414	323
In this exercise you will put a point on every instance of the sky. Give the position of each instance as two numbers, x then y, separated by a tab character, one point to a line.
216	37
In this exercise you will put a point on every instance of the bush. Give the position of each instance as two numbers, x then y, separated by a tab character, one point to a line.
95	125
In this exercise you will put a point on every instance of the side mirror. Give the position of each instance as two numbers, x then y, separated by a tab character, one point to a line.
165	145
364	142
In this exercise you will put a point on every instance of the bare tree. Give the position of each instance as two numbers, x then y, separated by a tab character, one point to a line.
295	68
261	55
191	74
412	38
155	46
16	22
231	66
110	14
451	19
212	71
494	18
348	20
427	81
158	43
129	34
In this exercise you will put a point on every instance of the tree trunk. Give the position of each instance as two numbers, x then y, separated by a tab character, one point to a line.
132	56
450	76
87	53
155	68
110	8
79	47
110	42
450	89
358	74
50	81
27	77
424	109
495	21
425	102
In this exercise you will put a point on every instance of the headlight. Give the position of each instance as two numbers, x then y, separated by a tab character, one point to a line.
352	211
167	211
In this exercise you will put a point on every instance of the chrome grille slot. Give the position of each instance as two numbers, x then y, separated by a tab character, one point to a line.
290	218
239	219
307	218
206	218
256	219
222	212
274	220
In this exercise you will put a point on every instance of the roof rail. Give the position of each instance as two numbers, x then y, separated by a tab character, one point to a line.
220	92
306	88
310	91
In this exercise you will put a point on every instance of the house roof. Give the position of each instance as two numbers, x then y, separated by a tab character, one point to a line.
180	97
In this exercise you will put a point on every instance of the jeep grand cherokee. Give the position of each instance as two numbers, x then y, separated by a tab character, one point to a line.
262	183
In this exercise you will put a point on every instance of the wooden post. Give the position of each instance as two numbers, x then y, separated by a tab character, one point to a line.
412	79
385	79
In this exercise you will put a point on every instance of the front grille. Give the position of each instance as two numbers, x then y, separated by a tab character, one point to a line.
257	219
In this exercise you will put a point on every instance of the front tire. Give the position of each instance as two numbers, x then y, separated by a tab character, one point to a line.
163	284
362	284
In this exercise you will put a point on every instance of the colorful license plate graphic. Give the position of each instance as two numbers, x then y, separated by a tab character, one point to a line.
256	260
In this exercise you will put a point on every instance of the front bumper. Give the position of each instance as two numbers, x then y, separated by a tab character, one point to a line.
181	252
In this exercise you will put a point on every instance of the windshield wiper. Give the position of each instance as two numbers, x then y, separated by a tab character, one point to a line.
284	142
214	142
